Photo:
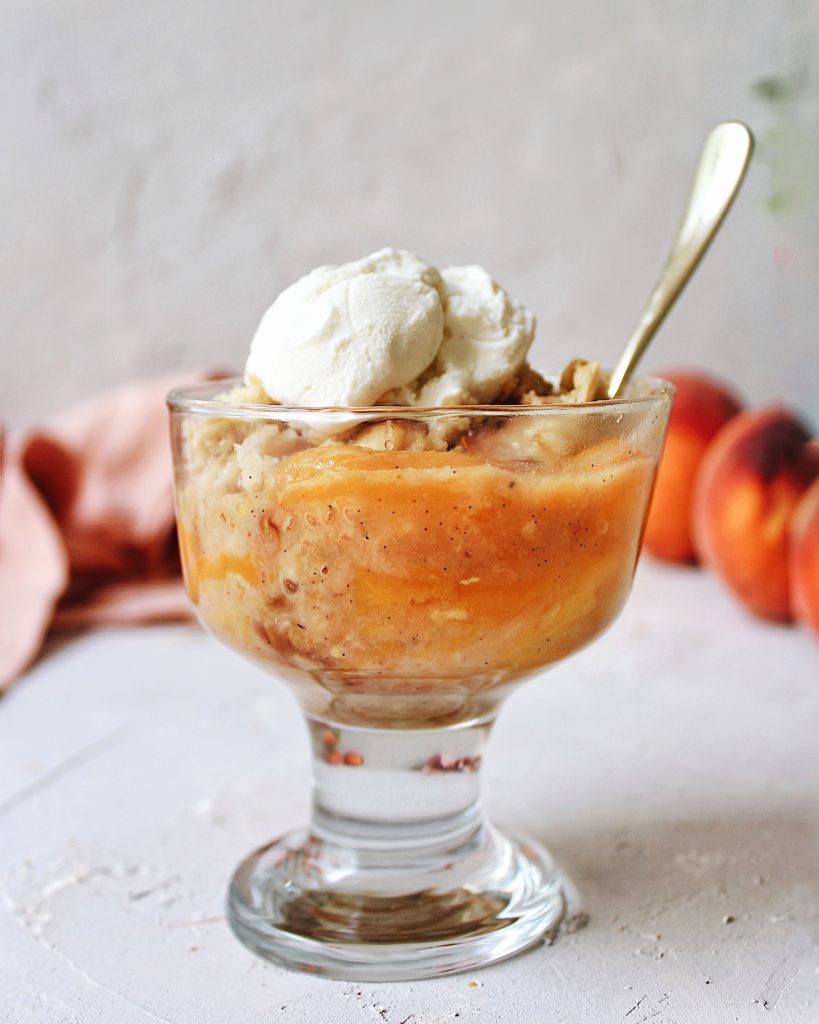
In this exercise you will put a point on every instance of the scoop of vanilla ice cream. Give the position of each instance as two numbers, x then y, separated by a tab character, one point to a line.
345	335
389	329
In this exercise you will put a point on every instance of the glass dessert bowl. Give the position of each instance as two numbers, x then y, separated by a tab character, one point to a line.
403	569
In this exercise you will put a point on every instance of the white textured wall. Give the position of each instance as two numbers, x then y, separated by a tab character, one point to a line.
167	167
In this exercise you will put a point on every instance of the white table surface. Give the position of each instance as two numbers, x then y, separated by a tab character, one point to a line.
673	768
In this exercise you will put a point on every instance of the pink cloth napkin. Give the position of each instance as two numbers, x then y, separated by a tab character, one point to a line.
87	531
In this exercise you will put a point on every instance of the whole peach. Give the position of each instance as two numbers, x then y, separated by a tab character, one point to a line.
750	482
702	406
804	558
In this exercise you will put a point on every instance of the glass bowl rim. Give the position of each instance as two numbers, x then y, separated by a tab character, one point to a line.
199	399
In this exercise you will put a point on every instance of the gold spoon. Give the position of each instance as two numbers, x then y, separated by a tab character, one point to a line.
723	162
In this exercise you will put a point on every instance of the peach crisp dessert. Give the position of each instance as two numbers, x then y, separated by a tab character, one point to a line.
394	510
397	514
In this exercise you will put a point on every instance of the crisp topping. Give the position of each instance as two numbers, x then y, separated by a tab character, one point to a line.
581	381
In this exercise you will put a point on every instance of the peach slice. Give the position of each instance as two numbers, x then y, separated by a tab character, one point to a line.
750	482
804	558
702	406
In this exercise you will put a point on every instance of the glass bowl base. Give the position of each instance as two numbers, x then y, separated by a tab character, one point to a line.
312	904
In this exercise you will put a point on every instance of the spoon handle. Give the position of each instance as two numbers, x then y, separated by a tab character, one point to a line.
723	162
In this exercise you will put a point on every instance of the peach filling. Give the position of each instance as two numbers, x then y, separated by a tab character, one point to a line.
387	569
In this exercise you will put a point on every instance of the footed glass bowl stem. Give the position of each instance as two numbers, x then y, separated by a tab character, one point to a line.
398	874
